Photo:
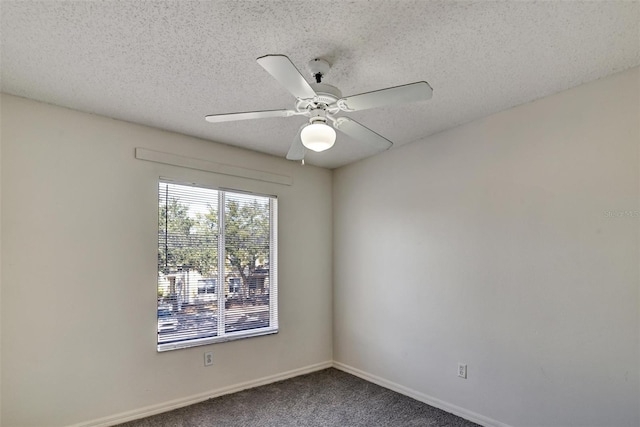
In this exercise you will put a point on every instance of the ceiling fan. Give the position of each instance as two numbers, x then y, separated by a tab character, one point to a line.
321	103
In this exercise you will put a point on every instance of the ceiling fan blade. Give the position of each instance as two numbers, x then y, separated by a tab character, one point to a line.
419	91
361	133
297	150
283	70
230	117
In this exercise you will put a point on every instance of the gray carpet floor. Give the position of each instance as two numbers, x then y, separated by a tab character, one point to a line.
325	398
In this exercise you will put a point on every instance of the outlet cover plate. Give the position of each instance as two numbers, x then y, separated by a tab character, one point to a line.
462	370
208	358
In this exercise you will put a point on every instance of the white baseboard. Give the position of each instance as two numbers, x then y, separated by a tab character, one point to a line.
190	400
429	400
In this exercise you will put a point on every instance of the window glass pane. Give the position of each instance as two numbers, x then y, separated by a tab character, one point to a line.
187	263
247	252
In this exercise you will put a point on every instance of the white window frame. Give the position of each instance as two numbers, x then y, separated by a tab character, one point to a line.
223	336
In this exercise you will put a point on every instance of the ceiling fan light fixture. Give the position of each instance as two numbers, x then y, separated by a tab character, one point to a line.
318	136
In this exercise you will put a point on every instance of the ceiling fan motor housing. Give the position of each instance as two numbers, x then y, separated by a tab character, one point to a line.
325	95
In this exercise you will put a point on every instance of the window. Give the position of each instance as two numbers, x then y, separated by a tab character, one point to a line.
217	265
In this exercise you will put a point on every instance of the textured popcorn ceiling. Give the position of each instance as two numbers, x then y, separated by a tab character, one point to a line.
168	64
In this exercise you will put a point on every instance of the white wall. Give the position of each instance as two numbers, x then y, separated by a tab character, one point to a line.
0	268
491	244
79	244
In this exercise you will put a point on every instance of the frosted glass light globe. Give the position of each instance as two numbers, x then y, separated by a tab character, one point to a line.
318	137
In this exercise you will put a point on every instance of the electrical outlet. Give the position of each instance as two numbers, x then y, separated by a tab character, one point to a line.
462	370
208	358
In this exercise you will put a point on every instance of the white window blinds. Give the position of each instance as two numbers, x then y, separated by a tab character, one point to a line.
217	265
